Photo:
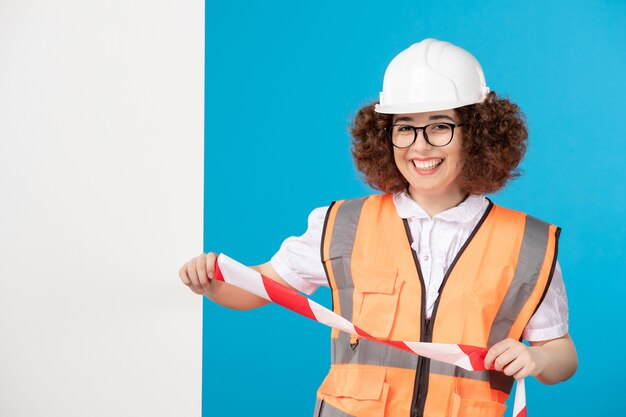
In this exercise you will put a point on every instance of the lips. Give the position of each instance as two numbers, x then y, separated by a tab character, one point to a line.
428	164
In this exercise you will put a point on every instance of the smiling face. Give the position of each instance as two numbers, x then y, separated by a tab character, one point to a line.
431	171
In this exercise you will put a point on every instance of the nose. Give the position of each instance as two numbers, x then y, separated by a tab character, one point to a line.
420	141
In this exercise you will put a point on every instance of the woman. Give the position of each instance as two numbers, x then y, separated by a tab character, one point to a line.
431	259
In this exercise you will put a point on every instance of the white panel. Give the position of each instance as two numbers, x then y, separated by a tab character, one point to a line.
101	150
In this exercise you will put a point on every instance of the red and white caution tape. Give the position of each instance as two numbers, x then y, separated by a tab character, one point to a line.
467	357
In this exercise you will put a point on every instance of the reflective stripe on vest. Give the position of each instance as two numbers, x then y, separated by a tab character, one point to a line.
376	284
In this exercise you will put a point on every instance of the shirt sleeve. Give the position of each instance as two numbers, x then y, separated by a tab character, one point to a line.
298	261
550	321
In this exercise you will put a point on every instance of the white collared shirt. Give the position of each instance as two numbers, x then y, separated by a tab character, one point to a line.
436	241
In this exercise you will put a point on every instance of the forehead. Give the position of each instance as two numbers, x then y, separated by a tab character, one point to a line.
449	115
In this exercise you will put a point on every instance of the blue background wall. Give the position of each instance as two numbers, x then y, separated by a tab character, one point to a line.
282	81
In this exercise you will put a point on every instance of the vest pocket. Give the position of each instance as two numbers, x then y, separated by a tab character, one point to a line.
358	390
477	408
376	295
473	407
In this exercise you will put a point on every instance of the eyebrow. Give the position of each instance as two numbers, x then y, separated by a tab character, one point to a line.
435	117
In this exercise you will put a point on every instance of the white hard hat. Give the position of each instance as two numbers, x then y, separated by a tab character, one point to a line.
431	75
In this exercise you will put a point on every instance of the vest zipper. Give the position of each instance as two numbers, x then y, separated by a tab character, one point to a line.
421	375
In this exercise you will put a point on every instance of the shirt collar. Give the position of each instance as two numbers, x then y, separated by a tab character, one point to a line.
463	213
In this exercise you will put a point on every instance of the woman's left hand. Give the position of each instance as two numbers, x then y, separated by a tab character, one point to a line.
516	359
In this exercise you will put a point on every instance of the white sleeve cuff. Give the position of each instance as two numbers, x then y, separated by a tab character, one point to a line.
290	276
549	333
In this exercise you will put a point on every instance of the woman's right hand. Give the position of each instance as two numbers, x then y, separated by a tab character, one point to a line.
197	274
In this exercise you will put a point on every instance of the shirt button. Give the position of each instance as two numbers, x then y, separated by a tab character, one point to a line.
425	257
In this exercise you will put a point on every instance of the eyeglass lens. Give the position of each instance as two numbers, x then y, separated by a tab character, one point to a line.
436	134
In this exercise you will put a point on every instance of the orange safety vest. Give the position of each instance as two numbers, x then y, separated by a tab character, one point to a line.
490	292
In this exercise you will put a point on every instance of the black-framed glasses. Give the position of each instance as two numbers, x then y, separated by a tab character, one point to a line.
436	134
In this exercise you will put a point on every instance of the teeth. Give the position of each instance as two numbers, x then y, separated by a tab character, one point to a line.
425	165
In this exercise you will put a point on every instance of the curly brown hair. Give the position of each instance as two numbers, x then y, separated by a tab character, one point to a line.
494	143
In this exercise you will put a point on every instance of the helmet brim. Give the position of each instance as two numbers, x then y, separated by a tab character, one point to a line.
421	107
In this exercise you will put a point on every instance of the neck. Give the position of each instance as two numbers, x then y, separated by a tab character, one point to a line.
435	203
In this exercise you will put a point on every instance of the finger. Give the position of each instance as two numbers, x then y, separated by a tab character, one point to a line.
514	367
495	351
531	365
523	373
195	290
506	357
193	275
182	273
202	273
210	264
